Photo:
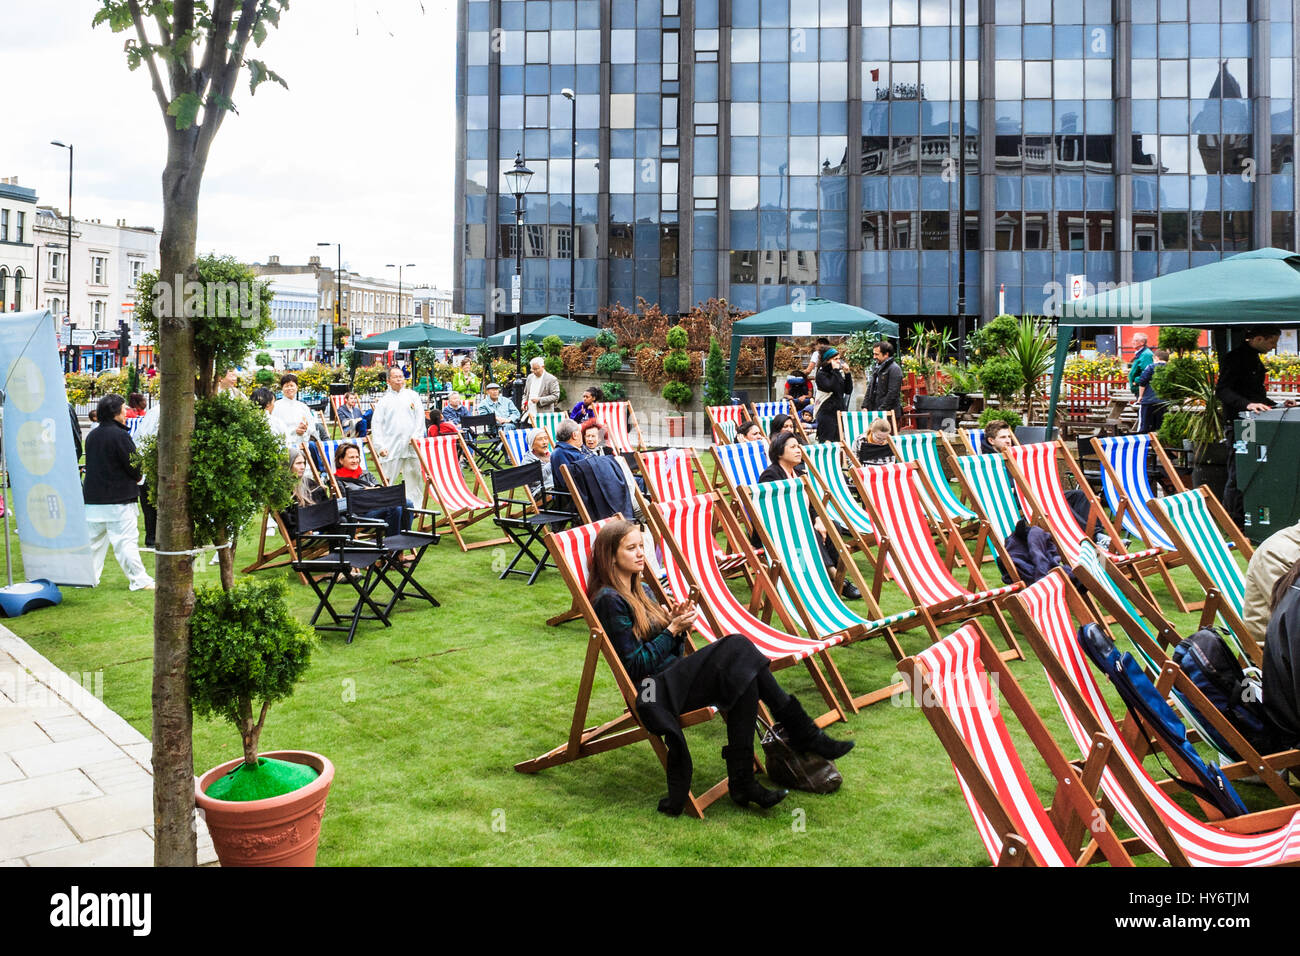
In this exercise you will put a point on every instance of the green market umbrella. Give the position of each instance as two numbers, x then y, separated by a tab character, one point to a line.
418	336
801	319
569	332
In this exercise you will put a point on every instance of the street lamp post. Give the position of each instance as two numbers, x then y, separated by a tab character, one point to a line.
409	265
961	183
338	289
68	270
519	177
573	199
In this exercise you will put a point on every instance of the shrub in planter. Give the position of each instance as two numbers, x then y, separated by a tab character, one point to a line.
1177	339
677	366
609	363
1008	415
606	339
265	377
993	339
716	389
613	391
678	394
1002	377
264	360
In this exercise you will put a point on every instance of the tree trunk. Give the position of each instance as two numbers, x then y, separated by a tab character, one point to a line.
173	752
226	561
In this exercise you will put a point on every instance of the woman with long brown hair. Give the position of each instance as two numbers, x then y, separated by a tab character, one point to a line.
730	673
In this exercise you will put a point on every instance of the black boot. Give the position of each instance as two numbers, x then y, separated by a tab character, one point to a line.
804	733
742	786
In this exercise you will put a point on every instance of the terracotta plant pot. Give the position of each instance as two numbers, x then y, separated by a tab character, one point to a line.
277	831
676	426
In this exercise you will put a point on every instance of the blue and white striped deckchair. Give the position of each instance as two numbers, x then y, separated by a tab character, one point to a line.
826	464
924	449
740	464
770	410
517	442
973	438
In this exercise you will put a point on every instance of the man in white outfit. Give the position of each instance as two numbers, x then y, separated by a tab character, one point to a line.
110	491
399	417
295	416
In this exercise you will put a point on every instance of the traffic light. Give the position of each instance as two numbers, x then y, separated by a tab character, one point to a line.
123	338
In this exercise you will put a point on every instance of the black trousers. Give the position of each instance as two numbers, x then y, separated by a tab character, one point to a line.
150	518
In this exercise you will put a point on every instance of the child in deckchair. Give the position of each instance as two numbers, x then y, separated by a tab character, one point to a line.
873	448
730	673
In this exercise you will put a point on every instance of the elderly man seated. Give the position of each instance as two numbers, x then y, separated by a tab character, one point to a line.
507	415
454	409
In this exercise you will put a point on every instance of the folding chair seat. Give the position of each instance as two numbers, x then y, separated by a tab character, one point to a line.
825	463
854	424
614	416
459	506
517	443
1126	485
928	450
1204	534
480	434
956	683
723	419
364	500
345	560
802	580
1162	825
549	421
739	465
892	497
571	550
522	519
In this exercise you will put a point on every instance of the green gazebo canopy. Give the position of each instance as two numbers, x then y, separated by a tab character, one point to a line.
418	336
801	319
569	332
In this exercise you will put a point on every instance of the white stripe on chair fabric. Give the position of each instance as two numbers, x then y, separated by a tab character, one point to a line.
960	686
613	415
728	430
670	473
855	424
743	462
690	522
330	450
727	413
519	441
976	438
1204	844
575	544
1127	454
993	490
770	410
827	459
550	421
923	448
442	467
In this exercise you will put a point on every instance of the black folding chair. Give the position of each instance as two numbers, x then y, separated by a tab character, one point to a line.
347	560
363	500
520	516
480	434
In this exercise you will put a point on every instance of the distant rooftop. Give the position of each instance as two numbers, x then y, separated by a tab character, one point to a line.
10	189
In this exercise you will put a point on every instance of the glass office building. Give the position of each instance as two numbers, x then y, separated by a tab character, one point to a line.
759	150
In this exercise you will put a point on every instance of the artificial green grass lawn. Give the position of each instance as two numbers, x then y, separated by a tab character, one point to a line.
270	778
425	720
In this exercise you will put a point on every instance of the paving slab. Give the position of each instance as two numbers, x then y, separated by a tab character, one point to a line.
134	848
34	833
45	792
70	754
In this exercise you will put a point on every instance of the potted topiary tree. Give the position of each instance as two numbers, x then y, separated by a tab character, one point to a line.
677	366
929	348
247	652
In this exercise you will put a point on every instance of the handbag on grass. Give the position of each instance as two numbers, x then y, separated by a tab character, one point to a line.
792	769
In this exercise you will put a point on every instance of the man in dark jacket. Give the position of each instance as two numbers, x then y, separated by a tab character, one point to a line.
1241	389
110	491
834	385
885	387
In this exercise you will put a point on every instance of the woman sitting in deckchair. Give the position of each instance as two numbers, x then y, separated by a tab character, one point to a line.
307	491
749	431
730	673
787	462
782	423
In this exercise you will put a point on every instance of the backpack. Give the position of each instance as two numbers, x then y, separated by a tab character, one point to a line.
1212	666
1142	698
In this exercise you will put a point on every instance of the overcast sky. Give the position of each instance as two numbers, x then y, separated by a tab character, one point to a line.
360	149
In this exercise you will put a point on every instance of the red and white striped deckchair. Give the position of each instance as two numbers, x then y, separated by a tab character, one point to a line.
440	462
1037	475
571	550
730	414
951	683
1265	838
892	495
671	473
614	416
684	528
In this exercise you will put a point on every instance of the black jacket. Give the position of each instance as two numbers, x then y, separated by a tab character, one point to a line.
885	389
1241	381
1281	671
111	479
835	386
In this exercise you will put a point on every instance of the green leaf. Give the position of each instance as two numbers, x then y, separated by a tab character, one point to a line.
259	33
185	108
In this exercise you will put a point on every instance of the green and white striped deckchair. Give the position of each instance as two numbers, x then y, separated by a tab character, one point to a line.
826	465
854	424
1201	531
928	449
786	528
550	421
987	483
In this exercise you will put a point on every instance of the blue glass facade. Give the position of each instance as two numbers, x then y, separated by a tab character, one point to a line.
759	150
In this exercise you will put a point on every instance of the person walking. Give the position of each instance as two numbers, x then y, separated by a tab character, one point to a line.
399	417
110	491
885	387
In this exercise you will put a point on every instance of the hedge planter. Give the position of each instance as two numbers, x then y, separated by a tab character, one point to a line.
276	831
937	412
1210	467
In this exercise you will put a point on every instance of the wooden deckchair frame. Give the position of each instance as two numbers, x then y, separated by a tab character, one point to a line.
1167	560
1075	814
456	520
715	420
955	550
842	420
946	456
629	412
626	729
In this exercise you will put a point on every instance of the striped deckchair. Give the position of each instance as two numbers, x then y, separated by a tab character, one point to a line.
1127	489
326	453
826	465
460	506
1203	534
802	581
987	483
770	410
929	450
1037	476
854	424
517	443
956	684
614	416
1257	839
892	496
670	473
1146	629
571	550
549	421
684	528
972	439
722	416
738	466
